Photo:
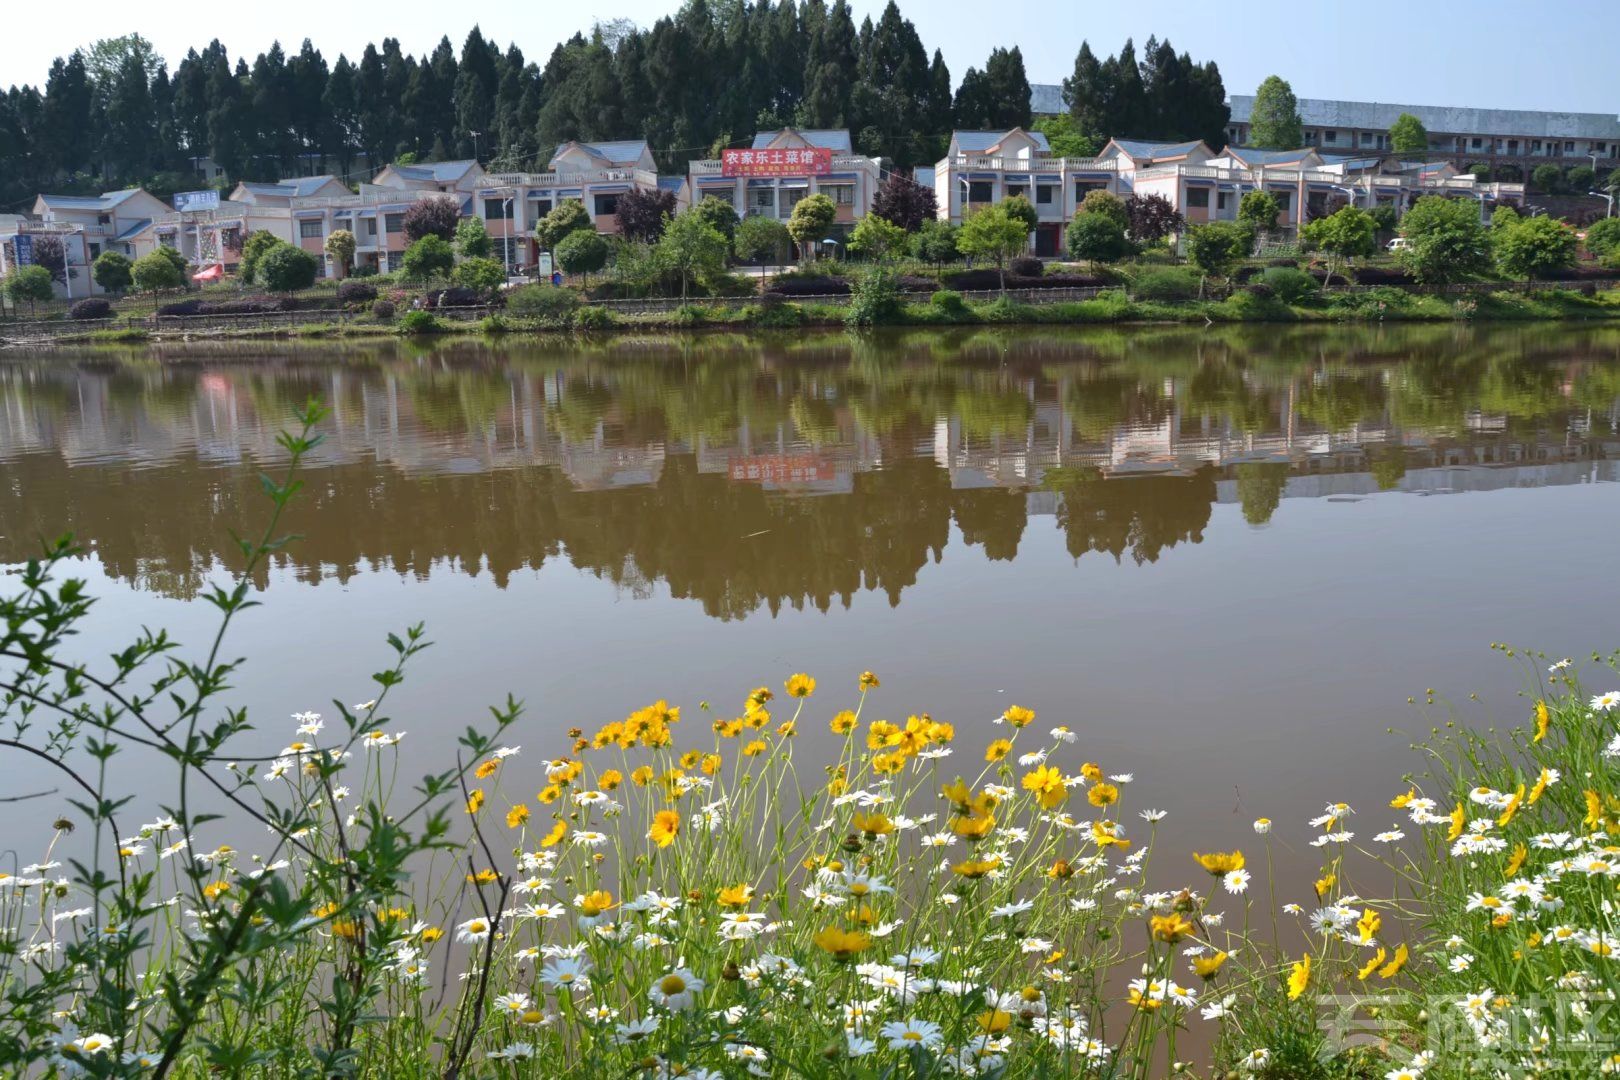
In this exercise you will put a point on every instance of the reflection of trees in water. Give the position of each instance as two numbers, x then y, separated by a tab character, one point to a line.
732	545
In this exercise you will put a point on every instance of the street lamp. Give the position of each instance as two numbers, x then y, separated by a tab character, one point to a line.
475	135
1608	197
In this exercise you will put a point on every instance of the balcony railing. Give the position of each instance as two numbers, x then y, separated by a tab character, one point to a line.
1039	163
496	181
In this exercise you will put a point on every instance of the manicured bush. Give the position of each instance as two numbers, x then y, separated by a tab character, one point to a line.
1164	284
1026	266
1288	284
356	292
112	271
285	268
422	322
544	302
93	307
382	310
949	301
809	285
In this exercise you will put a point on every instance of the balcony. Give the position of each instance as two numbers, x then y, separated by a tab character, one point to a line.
498	181
840	163
1039	163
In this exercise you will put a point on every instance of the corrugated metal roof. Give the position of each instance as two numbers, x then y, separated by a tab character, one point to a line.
1268	157
622	152
105	201
671	183
977	142
1144	148
923	175
438	171
1046	99
836	141
1445	119
133	229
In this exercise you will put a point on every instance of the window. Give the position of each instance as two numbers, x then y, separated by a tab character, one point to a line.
394	222
1366	138
762	199
790	197
1476	143
1198	198
371	227
103	219
1569	148
840	194
539	208
310	230
1220	200
1285	199
1513	146
607	205
1081	187
979	191
95	252
218	172
1017	189
396	259
1043	194
497	209
1330	136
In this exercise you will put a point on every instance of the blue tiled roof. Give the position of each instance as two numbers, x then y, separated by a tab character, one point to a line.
1267	157
442	172
1144	148
133	229
834	140
105	201
923	175
671	183
977	142
1046	99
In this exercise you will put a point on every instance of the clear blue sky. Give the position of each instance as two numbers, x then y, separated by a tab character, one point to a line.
1558	55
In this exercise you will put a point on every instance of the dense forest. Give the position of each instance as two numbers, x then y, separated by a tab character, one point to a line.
115	114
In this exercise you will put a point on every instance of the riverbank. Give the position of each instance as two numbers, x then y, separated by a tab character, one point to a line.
1489	303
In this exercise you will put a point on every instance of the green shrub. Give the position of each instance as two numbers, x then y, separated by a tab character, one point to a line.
544	302
1603	237
690	315
1165	284
594	318
422	322
1290	285
495	324
874	298
950	302
775	315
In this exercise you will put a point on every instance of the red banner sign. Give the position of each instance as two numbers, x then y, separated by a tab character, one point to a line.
802	161
782	469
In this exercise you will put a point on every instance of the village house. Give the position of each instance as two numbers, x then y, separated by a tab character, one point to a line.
779	168
87	225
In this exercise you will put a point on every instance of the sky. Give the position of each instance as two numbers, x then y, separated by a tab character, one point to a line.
1558	57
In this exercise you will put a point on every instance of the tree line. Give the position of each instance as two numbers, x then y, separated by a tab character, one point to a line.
116	114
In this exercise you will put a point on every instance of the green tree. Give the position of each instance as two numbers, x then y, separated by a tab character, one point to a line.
1407	135
1217	247
480	273
1259	210
583	252
428	258
1021	209
719	213
1064	136
1603	237
1260	487
568	216
993	233
935	242
1274	122
340	248
878	238
1548	179
1107	204
472	239
30	283
155	271
811	219
1348	233
1096	238
1504	217
761	239
112	271
1535	247
254	246
286	269
691	247
1447	241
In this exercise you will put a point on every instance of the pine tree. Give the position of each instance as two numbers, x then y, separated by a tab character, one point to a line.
131	122
65	137
476	87
1087	92
341	100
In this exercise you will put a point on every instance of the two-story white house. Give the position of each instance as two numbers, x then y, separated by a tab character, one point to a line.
764	181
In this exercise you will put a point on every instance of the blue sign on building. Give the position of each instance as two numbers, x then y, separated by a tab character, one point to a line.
25	249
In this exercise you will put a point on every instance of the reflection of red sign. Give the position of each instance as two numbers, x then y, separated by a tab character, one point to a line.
782	469
803	161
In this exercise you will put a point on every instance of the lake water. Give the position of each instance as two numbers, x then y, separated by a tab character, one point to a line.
1226	557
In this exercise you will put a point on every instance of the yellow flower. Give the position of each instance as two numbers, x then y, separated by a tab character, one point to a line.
881	734
1208	967
1102	794
973	869
801	686
754	749
759	697
997	750
431	933
594	903
1324	883
549	794
554	837
475	800
1372	965
215	889
735	895
1106	834
1046	783
1516	860
1170	928
1091	771
1368	924
610	779
1399	802
642	776
1018	716
517	816
787	729
1459	818
1060	870
482	877
872	824
1512	807
1218	863
711	764
666	823
1543	719
993	1022
973	826
1540	787
1391	969
841	944
487	769
843	723
1299	977
869	681
888	764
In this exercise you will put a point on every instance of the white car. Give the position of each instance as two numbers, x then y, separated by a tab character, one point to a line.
1400	243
